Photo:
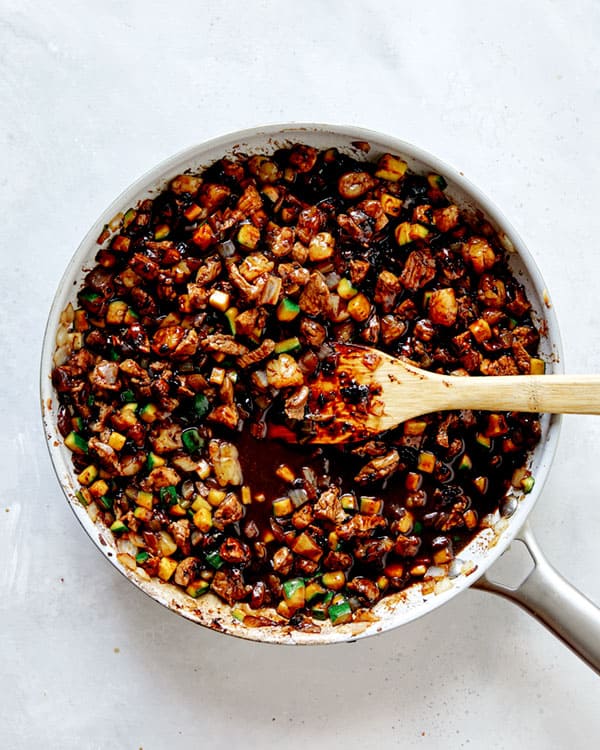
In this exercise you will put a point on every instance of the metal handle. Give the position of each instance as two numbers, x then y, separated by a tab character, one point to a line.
548	597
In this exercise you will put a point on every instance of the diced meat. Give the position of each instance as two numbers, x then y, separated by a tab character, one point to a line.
257	355
229	585
280	240
249	200
249	292
315	297
359	270
209	270
329	508
295	404
365	589
311	221
105	376
293	274
284	372
225	414
225	460
250	320
186	571
360	526
418	270
504	365
234	551
378	468
223	343
443	307
386	290
479	254
181	531
229	511
337	560
163	476
283	559
255	265
392	328
313	332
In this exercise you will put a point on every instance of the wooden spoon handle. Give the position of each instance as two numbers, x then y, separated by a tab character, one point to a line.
552	394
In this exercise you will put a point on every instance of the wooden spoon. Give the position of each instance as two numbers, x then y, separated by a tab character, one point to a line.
368	391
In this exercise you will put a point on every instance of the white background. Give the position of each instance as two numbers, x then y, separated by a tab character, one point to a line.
94	94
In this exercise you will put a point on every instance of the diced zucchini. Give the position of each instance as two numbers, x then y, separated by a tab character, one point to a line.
287	310
426	462
215	497
88	475
246	495
465	463
231	314
370	506
537	366
203	519
153	461
483	440
149	413
527	484
346	290
118	527
334	580
197	588
248	236
106	502
294	593
391	204
340	612
84	497
320	610
200	406
127	396
99	488
115	314
129	216
142	514
214	559
161	231
191	440
348	502
166	568
406	232
359	308
142	557
145	499
116	440
436	181
282	507
219	300
287	345
390	168
305	546
314	591
76	443
168	495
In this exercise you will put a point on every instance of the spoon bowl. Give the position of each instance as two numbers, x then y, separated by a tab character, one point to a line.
365	392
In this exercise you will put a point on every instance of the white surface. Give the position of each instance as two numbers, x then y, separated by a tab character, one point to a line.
90	99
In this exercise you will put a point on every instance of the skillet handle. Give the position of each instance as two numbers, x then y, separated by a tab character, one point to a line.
551	599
